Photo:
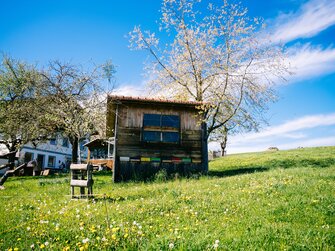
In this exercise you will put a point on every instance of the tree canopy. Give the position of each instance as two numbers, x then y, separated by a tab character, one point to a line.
217	55
61	98
19	90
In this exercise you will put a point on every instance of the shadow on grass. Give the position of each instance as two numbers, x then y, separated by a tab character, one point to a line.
238	171
289	163
273	164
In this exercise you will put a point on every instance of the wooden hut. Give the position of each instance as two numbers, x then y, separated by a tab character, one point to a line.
154	134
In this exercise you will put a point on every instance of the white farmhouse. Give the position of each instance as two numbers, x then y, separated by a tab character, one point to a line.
54	153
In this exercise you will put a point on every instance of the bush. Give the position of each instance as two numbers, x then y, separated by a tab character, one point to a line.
161	176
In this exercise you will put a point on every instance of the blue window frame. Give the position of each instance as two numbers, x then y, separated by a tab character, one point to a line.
170	121
161	128
152	120
151	136
170	137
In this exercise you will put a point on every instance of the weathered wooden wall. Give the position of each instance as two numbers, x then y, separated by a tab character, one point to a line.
130	144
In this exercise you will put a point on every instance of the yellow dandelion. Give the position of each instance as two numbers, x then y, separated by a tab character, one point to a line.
115	229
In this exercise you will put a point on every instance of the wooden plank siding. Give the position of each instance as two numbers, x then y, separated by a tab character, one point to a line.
130	144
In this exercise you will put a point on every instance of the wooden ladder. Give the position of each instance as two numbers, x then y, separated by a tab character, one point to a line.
81	176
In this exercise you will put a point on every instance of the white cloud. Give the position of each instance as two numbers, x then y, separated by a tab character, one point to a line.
130	90
312	18
321	141
308	61
288	135
286	129
252	147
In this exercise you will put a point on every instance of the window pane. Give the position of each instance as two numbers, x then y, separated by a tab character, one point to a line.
99	153
65	142
51	161
28	156
52	141
151	136
152	120
170	121
171	137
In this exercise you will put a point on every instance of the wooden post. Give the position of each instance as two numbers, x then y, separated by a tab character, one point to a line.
204	147
115	164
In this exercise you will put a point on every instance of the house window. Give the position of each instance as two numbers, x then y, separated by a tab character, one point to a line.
53	141
51	161
161	128
65	142
28	156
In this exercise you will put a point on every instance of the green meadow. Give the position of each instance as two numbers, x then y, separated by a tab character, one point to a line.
282	200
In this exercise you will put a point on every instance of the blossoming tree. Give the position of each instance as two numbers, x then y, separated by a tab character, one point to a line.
217	55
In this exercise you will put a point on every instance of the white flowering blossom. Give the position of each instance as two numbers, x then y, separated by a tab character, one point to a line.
219	57
171	245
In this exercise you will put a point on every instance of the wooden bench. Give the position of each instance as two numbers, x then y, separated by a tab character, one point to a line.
81	176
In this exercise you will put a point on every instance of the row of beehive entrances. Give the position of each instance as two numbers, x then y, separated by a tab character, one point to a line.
146	171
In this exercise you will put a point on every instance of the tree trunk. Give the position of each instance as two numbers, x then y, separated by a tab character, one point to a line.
11	157
223	142
74	143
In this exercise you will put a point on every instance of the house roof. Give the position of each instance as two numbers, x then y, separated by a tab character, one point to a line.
7	155
154	100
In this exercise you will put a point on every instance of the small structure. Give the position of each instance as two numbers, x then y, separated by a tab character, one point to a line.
81	176
153	134
100	153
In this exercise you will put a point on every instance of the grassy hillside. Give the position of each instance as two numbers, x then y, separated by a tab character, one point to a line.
260	201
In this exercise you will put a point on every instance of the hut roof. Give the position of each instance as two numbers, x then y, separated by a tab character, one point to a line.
154	100
96	143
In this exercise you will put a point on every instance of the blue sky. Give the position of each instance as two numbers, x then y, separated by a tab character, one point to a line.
84	31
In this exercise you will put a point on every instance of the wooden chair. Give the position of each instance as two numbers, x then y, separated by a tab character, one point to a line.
81	176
